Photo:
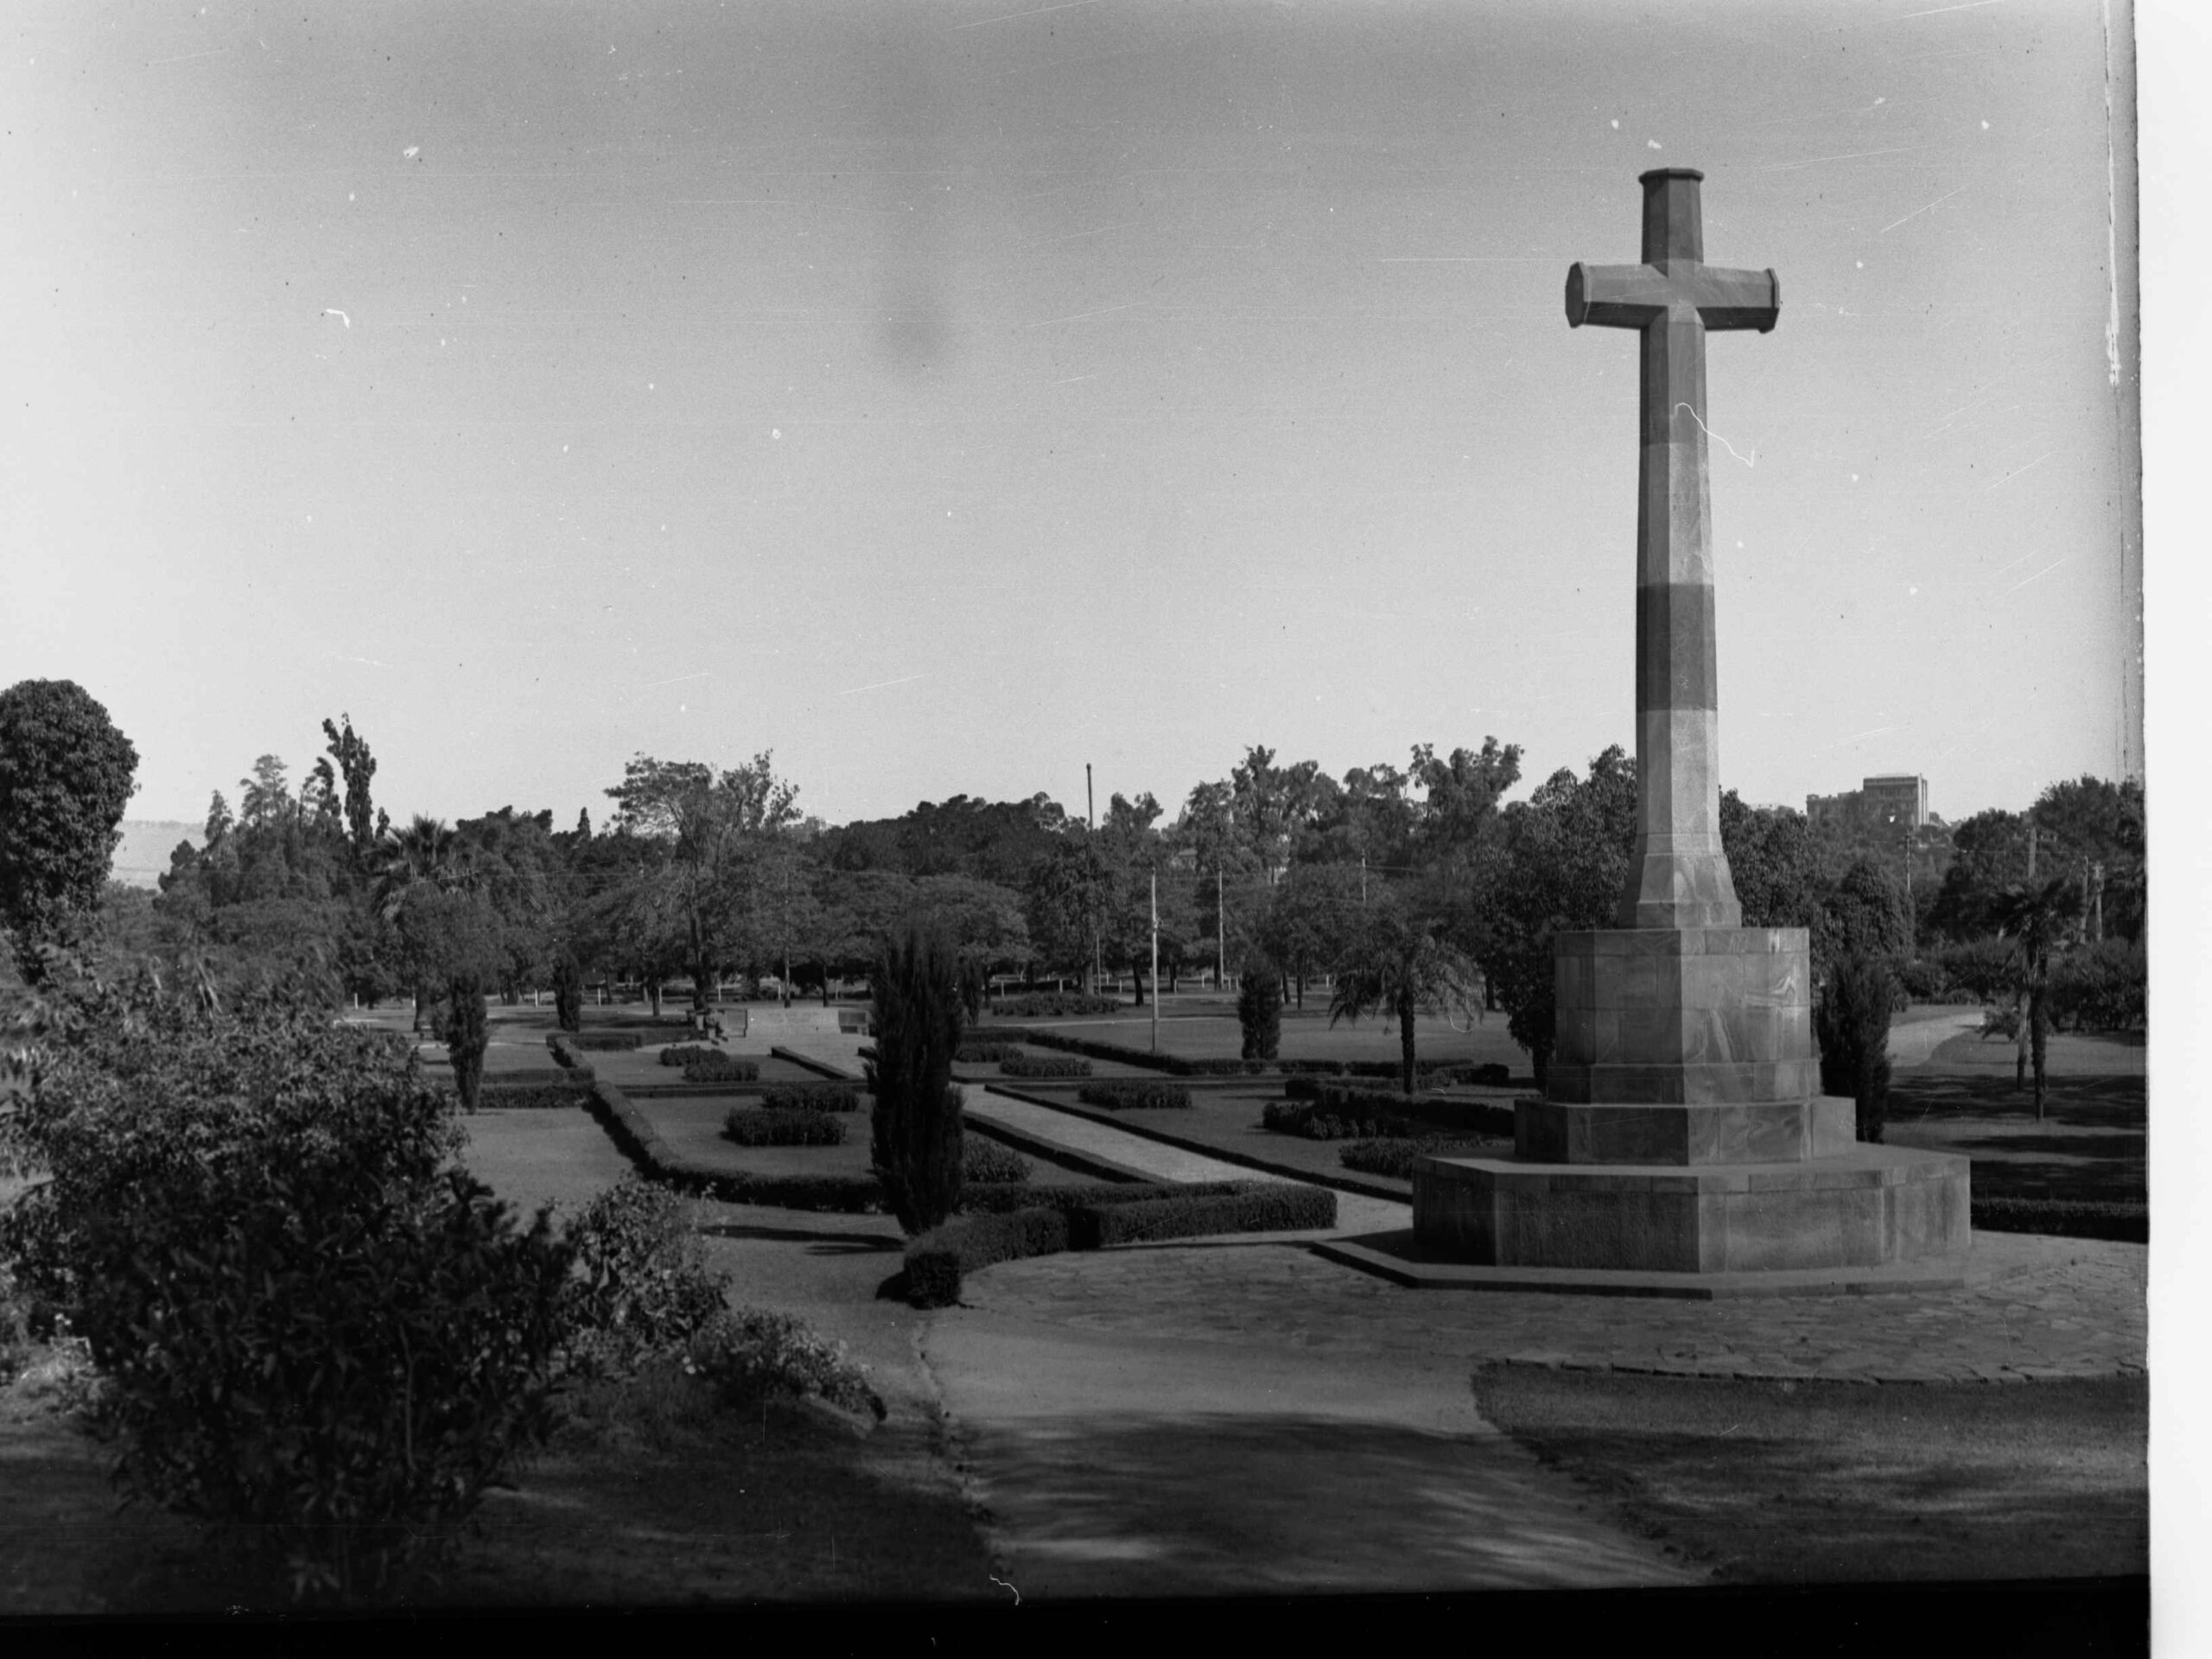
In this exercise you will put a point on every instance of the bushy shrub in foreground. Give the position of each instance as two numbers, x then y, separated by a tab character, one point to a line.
318	1337
1135	1094
723	1069
748	1354
811	1097
1043	1065
752	1126
643	1282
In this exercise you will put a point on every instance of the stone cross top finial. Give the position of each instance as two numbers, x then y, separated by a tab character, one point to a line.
1678	877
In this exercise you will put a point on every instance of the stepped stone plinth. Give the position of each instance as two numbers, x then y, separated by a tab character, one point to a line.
1682	1129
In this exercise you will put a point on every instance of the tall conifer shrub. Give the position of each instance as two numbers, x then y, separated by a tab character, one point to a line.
1852	1020
918	1018
1259	1013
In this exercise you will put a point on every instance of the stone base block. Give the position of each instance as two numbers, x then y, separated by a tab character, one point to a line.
1872	1207
1755	1132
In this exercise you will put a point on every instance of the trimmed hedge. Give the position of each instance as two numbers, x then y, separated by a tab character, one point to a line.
1396	1157
1343	1113
987	1162
1142	1095
1269	1207
752	1127
532	1097
1055	1004
1035	1065
939	1259
2125	1221
723	1069
689	1053
571	1062
986	1054
1057	1219
811	1097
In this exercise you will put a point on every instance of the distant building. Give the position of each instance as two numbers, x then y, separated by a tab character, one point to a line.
1876	801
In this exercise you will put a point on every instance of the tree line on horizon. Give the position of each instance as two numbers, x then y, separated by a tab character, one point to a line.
1424	876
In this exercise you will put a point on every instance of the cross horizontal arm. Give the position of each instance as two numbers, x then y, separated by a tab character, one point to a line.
1628	296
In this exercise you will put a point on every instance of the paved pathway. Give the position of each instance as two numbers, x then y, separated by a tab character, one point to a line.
1916	1044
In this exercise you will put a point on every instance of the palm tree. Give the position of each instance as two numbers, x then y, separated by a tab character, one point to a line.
426	854
1400	966
2042	919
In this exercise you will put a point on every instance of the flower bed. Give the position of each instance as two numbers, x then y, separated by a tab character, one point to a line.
811	1097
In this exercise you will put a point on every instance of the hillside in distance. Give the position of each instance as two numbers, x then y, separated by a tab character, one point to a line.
142	857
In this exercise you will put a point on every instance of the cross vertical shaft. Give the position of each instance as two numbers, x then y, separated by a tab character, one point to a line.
1678	877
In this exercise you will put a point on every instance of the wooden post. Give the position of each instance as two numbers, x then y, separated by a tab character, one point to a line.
1155	961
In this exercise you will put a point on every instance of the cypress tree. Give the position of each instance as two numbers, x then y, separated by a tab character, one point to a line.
468	1035
916	1141
1259	1013
1852	1022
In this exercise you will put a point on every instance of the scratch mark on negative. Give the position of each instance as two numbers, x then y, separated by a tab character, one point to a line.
1751	460
1003	1584
881	684
1916	213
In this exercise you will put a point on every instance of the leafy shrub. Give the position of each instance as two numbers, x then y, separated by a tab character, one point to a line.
324	1364
986	1054
645	1284
1396	1115
1852	1020
1043	1065
318	1337
1982	968
723	1069
691	1053
811	1097
748	1354
1397	1157
1056	1005
987	1162
1259	1014
2104	986
569	1061
1135	1094
755	1127
915	1142
1922	980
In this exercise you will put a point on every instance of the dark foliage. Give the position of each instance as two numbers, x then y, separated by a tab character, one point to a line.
467	1036
756	1127
811	1097
973	1053
502	1096
986	1163
1142	1095
1259	1014
1043	1065
721	1069
567	993
1055	1004
919	1019
65	780
1397	1157
645	1284
688	1053
1852	1020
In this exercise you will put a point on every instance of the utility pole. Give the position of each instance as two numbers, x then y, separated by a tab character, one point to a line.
1155	961
1090	822
1220	934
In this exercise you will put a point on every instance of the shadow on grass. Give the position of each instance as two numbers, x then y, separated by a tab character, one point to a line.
1193	1504
2091	1144
1777	1483
828	1243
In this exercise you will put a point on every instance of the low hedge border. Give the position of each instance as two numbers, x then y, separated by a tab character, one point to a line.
691	1053
633	1132
723	1069
532	1097
1080	1219
986	1054
2122	1221
753	1126
1043	1065
810	1097
1396	1157
1306	1100
1143	1095
569	1060
1488	1074
1056	1005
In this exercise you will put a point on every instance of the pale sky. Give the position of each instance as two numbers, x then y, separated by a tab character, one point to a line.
944	395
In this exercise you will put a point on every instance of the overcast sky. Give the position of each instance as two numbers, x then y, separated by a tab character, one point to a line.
944	395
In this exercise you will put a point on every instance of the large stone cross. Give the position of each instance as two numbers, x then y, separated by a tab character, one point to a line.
1678	877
